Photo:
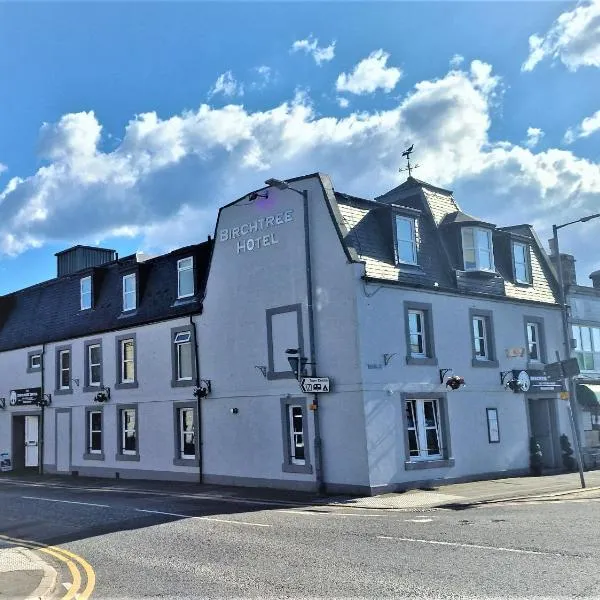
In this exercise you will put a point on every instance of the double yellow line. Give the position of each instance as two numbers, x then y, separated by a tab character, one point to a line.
75	563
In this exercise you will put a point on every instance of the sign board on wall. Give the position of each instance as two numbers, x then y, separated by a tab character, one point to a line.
25	396
537	381
516	352
5	462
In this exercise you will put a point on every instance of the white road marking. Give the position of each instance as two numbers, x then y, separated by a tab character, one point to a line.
170	514
64	501
418	520
465	545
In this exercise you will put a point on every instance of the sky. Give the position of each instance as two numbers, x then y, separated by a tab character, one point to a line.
127	125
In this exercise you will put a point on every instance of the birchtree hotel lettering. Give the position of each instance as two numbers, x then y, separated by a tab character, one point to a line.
245	234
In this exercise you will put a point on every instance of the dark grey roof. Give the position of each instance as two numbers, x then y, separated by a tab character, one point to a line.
461	218
50	311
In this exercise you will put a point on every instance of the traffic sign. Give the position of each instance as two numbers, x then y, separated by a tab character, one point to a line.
314	384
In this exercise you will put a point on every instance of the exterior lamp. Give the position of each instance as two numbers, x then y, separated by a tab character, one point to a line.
203	389
103	395
297	362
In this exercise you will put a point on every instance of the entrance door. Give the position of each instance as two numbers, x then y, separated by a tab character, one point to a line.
63	440
542	419
31	441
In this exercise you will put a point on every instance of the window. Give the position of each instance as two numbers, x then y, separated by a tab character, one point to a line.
587	347
129	292
406	241
185	277
127	361
416	328
480	338
477	249
64	369
35	362
128	431
187	436
94	432
94	365
85	287
423	429
492	423
183	353
296	455
296	429
521	262
533	342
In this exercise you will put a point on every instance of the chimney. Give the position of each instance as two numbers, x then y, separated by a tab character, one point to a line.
595	277
78	258
568	265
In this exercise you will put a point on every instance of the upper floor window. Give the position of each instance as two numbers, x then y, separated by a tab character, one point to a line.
94	365
480	339
587	347
35	362
127	361
478	254
64	369
183	353
85	287
185	277
520	262
129	292
533	342
416	328
406	240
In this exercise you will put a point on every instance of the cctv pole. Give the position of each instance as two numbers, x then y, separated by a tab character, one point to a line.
567	353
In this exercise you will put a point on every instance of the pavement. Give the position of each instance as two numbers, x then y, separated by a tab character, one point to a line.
23	574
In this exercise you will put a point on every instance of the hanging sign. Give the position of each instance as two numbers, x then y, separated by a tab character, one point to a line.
314	384
537	381
26	396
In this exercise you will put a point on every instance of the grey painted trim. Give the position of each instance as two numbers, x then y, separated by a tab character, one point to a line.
271	373
119	455
287	465
57	351
285	484
491	338
34	369
177	460
429	334
88	455
446	448
86	375
56	437
428	464
539	321
487	418
118	384
174	381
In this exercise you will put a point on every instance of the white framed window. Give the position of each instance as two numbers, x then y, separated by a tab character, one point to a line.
95	431
492	423
85	289
533	342
127	361
478	254
94	364
423	429
183	356
416	330
187	435
35	361
296	432
480	338
521	262
406	240
185	277
587	347
128	431
129	292
64	369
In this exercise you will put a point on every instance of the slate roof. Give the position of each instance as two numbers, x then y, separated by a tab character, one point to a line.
50	311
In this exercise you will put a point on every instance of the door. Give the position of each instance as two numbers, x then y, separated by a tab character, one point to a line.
543	428
63	441
31	441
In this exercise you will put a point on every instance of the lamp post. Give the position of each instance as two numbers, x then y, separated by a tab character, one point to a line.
284	185
567	336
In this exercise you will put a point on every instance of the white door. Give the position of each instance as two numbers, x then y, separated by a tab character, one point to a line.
31	441
63	442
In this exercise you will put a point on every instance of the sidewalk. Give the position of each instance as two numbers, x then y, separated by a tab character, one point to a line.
23	574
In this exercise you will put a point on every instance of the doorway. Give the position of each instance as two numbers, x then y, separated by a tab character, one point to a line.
542	426
25	438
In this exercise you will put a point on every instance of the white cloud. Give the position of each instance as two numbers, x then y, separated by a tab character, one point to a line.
168	173
265	76
3	168
456	61
343	102
227	85
370	74
588	126
311	46
574	39
534	135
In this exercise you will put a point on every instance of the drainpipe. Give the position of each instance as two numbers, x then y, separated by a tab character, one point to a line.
198	399
41	430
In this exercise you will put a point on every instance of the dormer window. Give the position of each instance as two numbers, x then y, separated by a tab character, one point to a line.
521	263
185	277
406	240
478	254
85	289
129	292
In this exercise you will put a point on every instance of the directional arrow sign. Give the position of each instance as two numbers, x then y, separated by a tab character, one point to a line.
314	384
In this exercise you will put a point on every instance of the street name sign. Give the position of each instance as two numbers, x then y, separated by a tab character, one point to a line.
314	384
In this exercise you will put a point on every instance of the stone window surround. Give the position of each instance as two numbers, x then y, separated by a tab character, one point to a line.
287	465
57	351
427	309
270	312
185	382
31	369
539	321
488	315
86	376
177	460
132	384
94	455
119	455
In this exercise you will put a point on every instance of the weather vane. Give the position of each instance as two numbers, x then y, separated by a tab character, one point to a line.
409	167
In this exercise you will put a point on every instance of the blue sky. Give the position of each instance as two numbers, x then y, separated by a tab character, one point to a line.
127	125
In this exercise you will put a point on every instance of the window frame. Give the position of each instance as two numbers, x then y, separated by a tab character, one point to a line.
428	331
91	365
61	351
178	458
491	359
121	384
91	431
412	221
82	306
488	412
526	263
181	270
122	453
290	463
541	341
180	333
476	249
129	277
270	313
95	455
579	350
30	356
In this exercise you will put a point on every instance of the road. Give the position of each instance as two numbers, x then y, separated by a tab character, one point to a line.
144	545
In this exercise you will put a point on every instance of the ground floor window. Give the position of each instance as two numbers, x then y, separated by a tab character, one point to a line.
95	432
128	431
423	429
187	436
296	429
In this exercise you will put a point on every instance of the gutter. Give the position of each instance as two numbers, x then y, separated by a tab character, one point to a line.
199	400
41	428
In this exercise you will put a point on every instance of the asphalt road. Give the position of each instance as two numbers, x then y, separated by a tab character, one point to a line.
213	548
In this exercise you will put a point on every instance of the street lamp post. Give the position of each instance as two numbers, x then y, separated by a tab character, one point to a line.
567	336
